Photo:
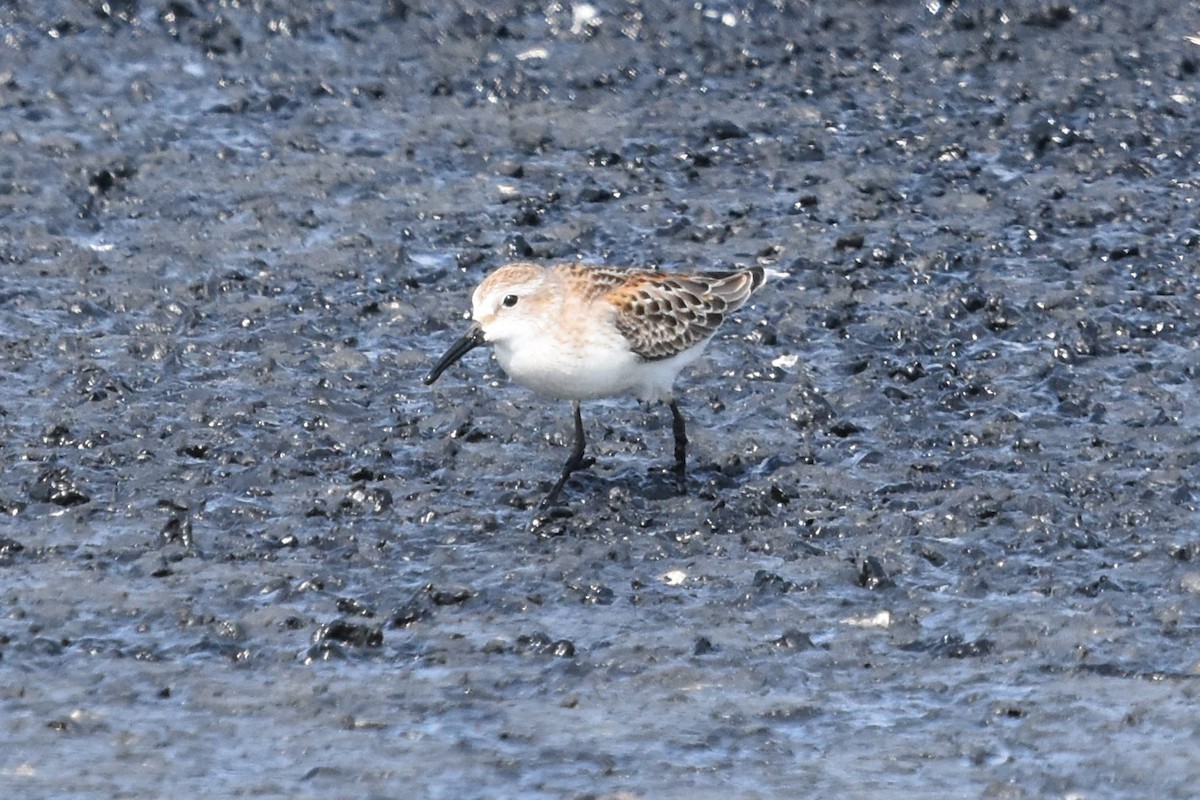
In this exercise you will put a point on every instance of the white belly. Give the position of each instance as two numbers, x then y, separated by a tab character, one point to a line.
602	369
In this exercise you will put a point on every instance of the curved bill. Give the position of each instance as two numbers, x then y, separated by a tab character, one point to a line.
469	341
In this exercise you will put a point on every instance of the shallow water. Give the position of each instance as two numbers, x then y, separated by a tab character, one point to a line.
942	538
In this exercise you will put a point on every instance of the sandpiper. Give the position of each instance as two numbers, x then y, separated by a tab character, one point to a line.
578	332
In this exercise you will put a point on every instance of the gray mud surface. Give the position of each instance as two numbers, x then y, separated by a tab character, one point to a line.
942	536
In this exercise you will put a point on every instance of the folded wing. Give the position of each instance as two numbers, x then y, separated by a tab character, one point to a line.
662	315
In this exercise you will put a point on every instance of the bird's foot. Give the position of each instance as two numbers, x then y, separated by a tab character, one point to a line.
550	522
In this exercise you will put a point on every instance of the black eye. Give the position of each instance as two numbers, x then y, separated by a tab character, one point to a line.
510	300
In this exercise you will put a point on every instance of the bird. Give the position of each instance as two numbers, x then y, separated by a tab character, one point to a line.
579	332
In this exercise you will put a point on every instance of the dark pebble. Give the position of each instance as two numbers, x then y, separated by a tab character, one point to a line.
349	633
795	640
56	486
871	575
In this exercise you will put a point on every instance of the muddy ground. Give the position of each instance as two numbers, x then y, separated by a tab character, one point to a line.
942	535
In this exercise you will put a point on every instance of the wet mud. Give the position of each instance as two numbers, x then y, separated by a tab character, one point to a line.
941	537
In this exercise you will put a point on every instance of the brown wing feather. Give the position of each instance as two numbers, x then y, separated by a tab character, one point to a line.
662	315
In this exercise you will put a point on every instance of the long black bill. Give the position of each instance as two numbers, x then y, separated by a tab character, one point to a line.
469	341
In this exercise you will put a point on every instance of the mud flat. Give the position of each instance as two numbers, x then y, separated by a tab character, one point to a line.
941	538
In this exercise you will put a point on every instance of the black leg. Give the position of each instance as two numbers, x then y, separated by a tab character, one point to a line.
574	462
680	429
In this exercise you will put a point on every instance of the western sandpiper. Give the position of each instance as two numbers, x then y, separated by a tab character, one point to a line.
576	333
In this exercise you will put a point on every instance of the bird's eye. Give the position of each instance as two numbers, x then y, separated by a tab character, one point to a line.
510	300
